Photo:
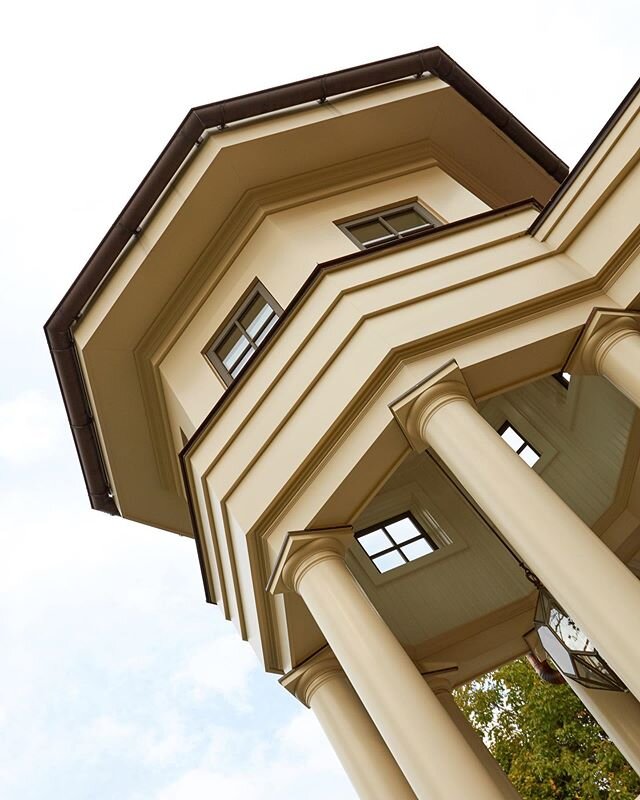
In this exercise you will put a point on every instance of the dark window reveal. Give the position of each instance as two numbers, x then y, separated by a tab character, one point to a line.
385	226
243	333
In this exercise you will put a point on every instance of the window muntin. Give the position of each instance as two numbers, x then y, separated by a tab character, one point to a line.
387	226
395	542
519	444
244	331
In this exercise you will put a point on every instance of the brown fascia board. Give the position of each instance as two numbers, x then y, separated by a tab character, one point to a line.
58	328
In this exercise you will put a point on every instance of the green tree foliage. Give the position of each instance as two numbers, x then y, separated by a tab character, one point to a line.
545	740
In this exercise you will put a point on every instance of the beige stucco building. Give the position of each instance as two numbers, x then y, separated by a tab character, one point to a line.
366	341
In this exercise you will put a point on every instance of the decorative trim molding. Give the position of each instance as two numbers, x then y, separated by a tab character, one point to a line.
302	550
604	328
414	409
305	680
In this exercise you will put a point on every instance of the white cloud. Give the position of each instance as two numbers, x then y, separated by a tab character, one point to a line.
28	427
296	761
221	667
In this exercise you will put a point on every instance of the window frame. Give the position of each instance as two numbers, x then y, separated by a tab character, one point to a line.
422	534
379	216
232	321
559	376
525	442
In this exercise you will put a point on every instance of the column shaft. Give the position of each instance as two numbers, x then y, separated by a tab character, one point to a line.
592	584
618	714
365	757
620	364
429	749
504	788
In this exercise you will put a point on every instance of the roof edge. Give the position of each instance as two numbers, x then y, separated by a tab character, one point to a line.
58	328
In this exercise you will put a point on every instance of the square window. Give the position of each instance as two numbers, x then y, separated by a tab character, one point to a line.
513	439
402	530
375	542
245	330
416	549
519	444
388	561
386	226
405	221
529	455
395	542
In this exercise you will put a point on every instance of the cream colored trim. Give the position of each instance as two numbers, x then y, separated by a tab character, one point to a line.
227	243
303	681
582	183
602	331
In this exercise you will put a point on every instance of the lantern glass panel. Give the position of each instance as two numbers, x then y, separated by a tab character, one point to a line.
556	650
570	648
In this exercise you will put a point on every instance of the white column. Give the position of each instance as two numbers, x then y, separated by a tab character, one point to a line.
618	714
586	578
431	752
610	346
321	684
503	787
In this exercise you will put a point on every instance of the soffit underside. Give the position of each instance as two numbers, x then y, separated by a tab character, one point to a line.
473	586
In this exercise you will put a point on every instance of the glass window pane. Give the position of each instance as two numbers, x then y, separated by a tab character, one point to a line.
514	440
408	220
232	348
374	542
566	629
256	315
263	333
402	530
369	232
243	362
417	549
388	561
529	455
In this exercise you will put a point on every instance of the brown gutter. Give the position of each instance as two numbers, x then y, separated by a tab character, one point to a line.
58	328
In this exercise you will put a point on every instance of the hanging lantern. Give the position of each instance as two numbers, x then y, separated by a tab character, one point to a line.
570	649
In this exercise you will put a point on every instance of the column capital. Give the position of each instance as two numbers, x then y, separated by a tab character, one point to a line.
603	329
303	681
301	550
414	409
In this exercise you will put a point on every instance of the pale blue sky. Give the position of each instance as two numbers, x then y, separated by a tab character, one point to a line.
116	680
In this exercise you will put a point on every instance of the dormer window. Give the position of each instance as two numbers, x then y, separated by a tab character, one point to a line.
519	444
245	330
395	542
389	225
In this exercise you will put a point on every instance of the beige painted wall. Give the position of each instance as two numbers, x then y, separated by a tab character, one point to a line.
282	253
